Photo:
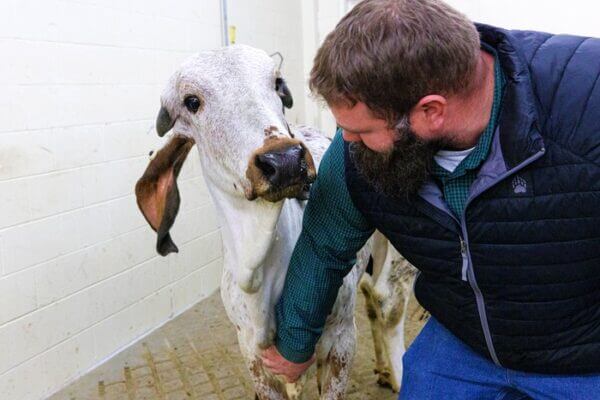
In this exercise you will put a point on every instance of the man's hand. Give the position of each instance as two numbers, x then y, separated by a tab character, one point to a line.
278	365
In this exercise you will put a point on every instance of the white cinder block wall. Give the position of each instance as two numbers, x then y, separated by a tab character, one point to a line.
319	17
79	90
275	25
576	17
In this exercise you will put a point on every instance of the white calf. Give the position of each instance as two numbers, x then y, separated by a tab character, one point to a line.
229	103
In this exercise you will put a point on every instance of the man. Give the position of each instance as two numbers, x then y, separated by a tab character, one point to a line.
476	152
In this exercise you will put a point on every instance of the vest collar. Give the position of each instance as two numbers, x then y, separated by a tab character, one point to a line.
519	132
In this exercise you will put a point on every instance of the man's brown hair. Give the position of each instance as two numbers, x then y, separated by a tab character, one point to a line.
391	53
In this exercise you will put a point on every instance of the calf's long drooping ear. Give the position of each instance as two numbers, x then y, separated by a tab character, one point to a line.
284	92
157	193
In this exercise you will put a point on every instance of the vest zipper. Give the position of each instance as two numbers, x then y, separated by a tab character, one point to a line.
470	272
465	259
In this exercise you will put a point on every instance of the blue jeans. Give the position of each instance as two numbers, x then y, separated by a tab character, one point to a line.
438	366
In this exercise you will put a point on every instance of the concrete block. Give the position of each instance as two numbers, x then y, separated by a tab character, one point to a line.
39	331
77	146
8	10
24	66
83	227
41	17
137	283
125	215
66	361
205	36
17	295
17	110
188	290
111	180
136	247
196	254
32	243
194	193
14	202
127	139
71	273
212	276
125	326
25	153
43	374
50	194
195	223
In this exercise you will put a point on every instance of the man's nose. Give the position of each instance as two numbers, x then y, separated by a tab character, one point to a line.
351	137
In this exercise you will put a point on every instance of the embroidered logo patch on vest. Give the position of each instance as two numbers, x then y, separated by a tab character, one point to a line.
519	185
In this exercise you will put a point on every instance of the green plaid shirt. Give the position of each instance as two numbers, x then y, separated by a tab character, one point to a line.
333	230
456	184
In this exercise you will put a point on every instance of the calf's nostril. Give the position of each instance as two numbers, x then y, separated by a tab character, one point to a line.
283	167
267	163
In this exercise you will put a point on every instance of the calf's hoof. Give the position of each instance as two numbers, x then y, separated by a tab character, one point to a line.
386	380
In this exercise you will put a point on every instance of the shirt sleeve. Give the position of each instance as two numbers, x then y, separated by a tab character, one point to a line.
333	230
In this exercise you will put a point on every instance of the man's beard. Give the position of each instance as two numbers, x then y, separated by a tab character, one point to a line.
401	171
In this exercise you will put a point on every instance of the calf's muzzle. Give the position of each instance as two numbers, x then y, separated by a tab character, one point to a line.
281	168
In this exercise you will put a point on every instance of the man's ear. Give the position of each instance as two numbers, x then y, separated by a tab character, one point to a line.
157	193
429	115
284	92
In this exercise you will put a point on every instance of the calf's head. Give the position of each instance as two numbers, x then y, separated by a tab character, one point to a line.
230	102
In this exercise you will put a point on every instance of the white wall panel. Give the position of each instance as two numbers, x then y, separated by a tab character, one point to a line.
79	91
275	26
80	84
576	17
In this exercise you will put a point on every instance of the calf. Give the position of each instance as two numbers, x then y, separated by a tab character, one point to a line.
229	103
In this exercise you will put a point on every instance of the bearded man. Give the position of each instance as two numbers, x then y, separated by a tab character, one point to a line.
476	151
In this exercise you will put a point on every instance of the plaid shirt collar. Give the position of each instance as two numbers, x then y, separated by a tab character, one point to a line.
481	151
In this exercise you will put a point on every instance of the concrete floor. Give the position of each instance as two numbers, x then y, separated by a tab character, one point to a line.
196	356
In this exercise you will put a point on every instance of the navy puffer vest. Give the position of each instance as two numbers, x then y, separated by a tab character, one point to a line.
517	276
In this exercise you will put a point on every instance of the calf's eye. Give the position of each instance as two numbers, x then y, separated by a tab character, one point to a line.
192	103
